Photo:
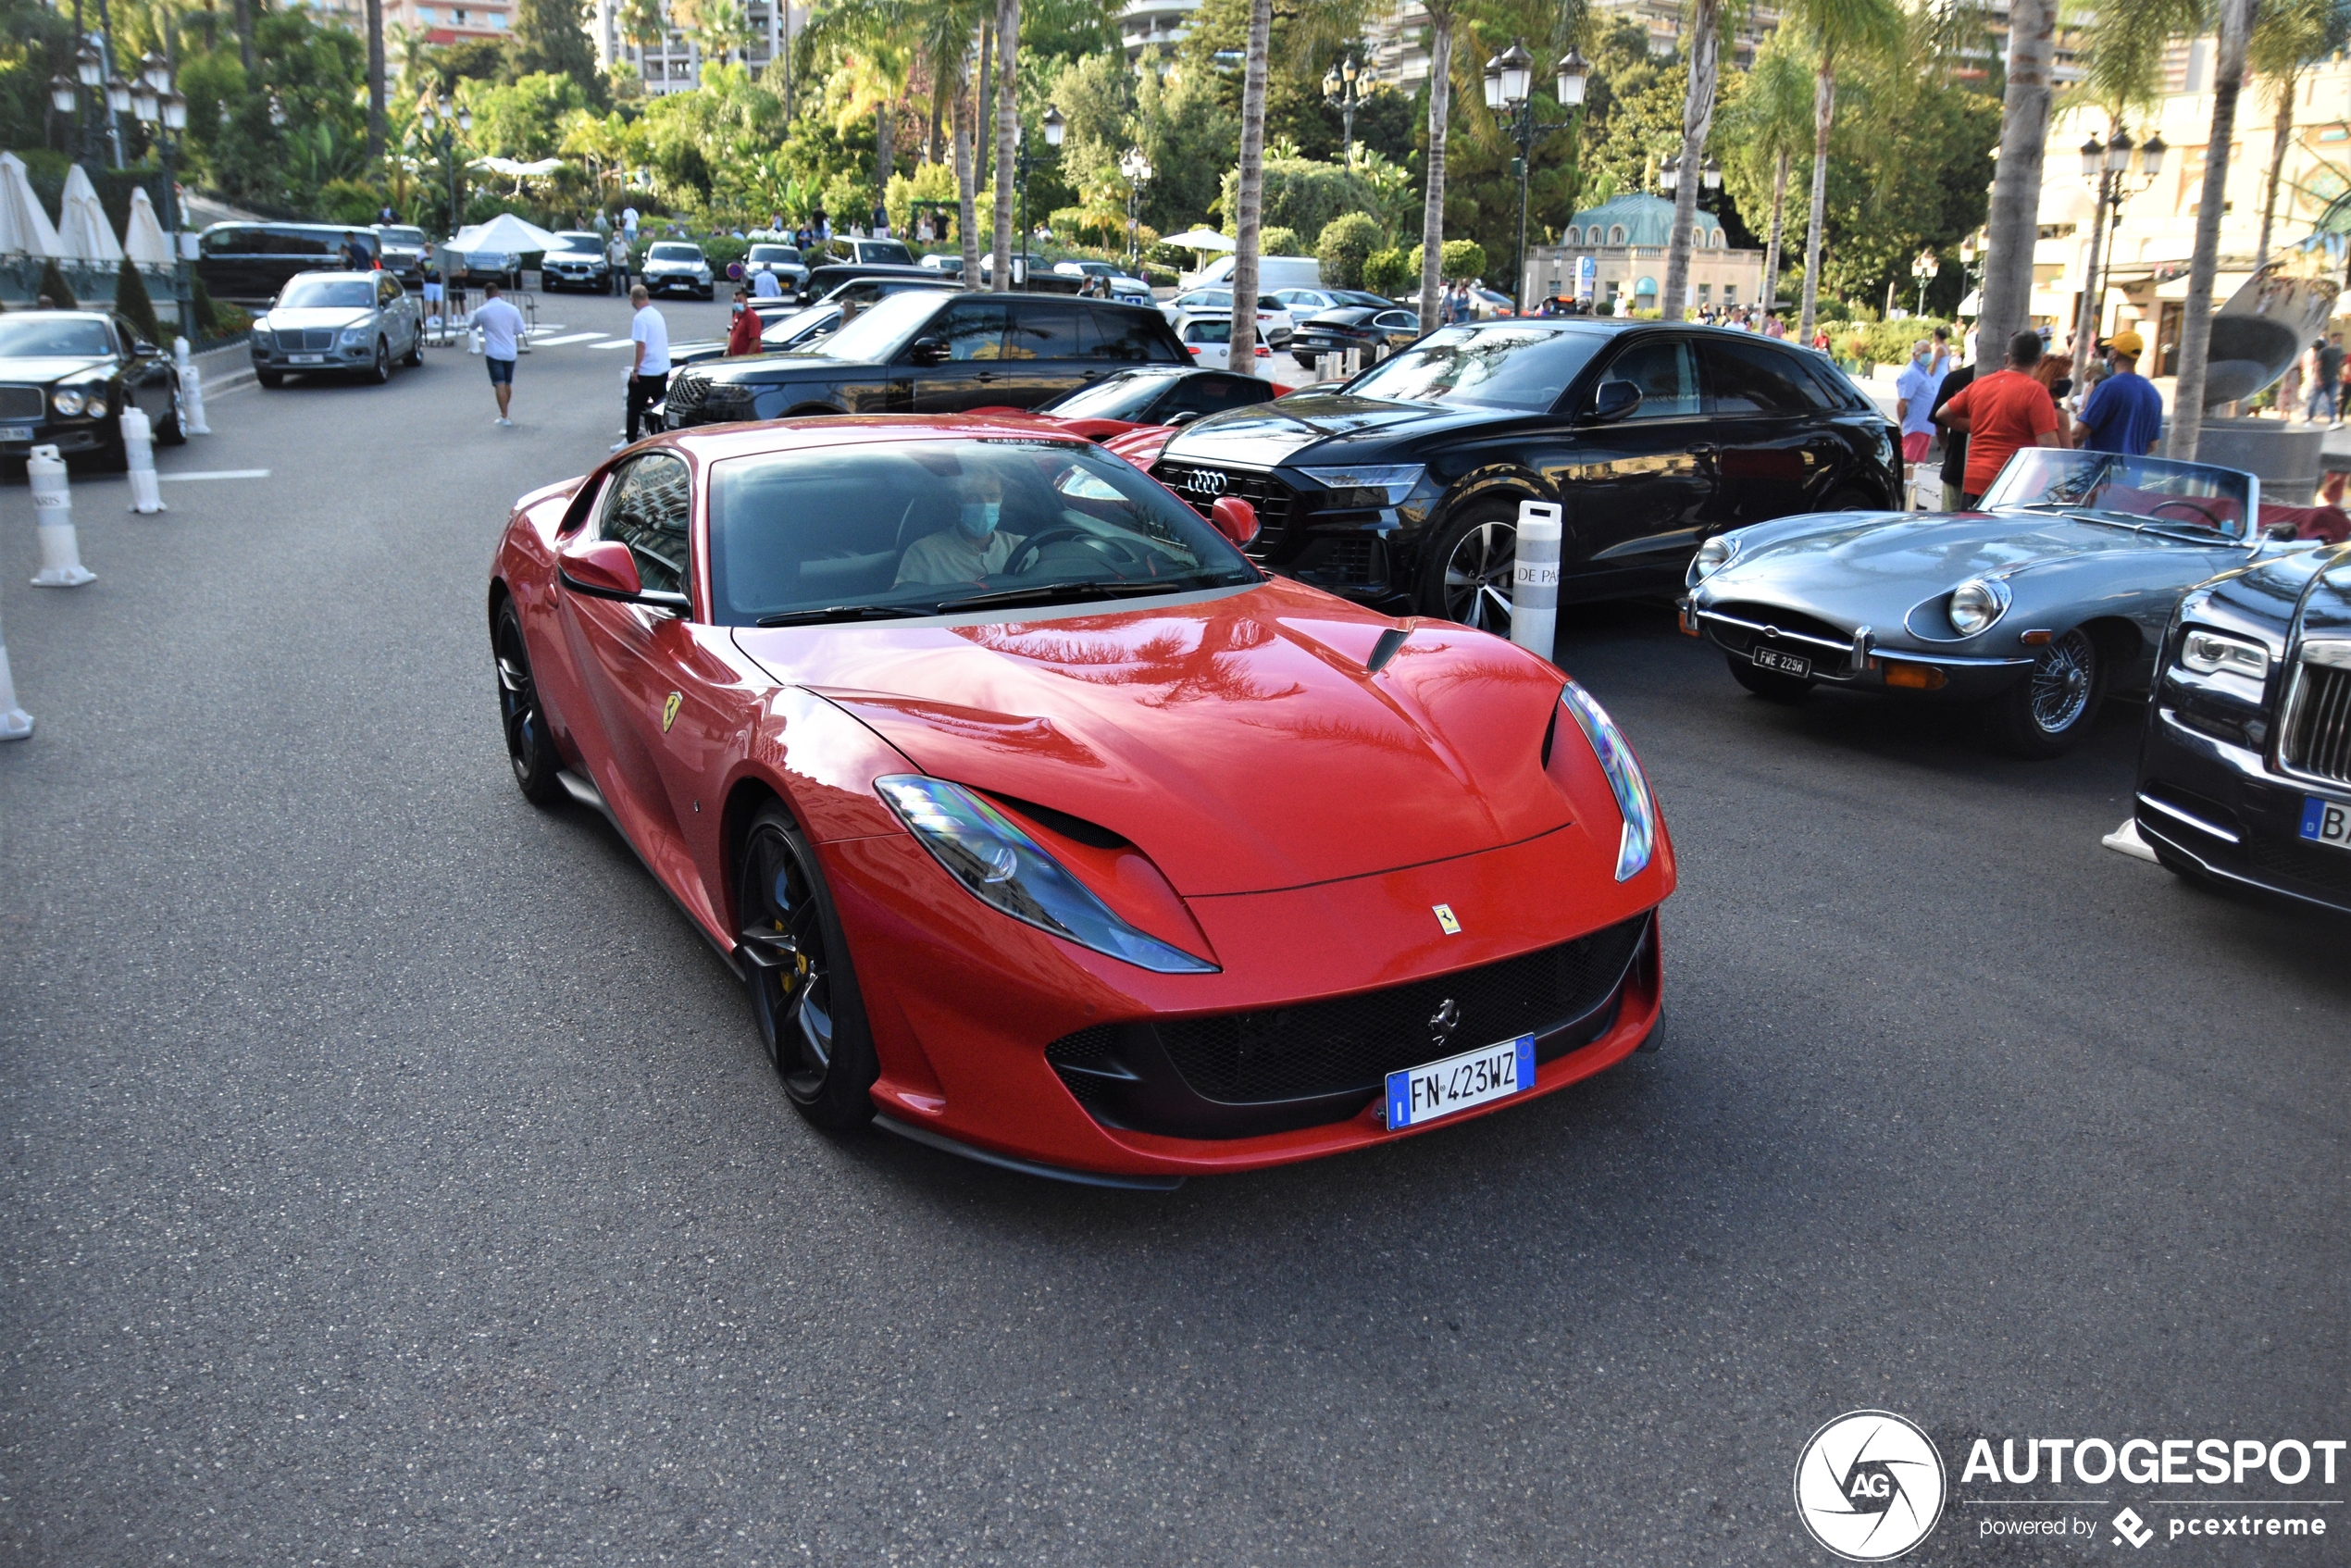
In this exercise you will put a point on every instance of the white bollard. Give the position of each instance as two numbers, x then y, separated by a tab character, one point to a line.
53	521
139	448
1535	587
191	391
15	723
1354	363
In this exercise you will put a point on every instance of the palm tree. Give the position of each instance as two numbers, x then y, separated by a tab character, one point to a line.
2290	37
1250	200
1007	134
1770	122
2013	224
2195	313
1834	29
1707	18
1442	16
375	79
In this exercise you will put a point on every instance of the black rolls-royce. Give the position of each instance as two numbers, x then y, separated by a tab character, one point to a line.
1402	488
929	352
65	376
2244	765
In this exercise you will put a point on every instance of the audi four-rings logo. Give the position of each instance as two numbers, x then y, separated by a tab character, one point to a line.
1205	482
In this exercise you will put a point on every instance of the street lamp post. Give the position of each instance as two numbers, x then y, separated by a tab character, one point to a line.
164	112
1056	129
2111	170
1137	171
1509	80
440	136
1343	93
1927	265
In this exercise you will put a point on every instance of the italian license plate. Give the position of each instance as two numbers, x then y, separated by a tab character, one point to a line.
16	432
1459	1083
2326	822
306	358
1787	664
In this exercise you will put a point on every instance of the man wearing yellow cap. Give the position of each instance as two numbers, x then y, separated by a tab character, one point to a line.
2125	412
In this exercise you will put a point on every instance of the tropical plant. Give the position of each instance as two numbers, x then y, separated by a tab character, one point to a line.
1767	123
1393	271
1345	244
2289	36
1247	208
1837	29
1464	261
2195	316
2013	222
1707	18
1443	17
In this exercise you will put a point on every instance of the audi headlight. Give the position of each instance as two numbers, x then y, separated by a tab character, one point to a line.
1712	557
66	399
1976	604
1387	484
2211	653
1005	868
1625	780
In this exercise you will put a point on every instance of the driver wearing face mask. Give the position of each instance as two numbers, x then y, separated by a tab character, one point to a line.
971	550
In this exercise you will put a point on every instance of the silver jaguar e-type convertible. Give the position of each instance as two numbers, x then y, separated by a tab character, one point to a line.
2055	592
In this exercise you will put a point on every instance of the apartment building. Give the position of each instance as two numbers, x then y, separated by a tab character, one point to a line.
1149	24
674	63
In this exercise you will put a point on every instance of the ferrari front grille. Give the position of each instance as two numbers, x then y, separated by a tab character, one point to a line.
20	404
2318	735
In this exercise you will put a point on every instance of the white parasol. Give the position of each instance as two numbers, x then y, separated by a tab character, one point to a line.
25	228
83	228
1200	240
507	235
143	237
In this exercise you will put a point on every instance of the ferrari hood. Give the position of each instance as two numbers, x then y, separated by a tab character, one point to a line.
1237	739
1268	434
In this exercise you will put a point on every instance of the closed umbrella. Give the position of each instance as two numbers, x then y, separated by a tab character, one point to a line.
143	237
25	228
83	226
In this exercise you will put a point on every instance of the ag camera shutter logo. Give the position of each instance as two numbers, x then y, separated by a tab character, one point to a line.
1870	1486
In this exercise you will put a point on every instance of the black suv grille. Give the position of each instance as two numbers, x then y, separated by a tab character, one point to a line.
1202	485
684	400
2318	740
1244	1072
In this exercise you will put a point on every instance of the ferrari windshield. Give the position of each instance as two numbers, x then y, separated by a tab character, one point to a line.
328	294
923	527
1500	366
2143	492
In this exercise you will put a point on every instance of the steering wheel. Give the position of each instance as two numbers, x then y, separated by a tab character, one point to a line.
2202	515
1118	549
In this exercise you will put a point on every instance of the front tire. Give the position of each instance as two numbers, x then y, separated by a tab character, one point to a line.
380	370
1769	684
2056	706
530	748
803	992
1467	575
414	359
270	379
173	431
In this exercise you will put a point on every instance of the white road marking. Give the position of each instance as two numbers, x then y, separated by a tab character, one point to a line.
558	342
617	343
215	474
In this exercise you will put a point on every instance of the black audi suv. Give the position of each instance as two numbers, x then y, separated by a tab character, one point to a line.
1402	488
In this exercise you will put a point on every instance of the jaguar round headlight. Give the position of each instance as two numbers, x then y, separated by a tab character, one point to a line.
1712	557
1976	604
64	400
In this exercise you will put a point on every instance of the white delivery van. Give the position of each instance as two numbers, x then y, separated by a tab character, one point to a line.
1272	272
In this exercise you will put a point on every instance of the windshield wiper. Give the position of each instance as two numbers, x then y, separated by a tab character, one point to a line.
842	613
1047	592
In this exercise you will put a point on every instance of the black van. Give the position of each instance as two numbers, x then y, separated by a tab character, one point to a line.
248	263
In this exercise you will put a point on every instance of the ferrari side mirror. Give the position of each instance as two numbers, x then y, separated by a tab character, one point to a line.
1613	400
1236	519
602	569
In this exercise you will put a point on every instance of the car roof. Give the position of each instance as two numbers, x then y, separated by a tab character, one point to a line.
85	315
712	444
337	273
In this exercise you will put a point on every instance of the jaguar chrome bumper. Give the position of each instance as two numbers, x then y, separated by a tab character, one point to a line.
1859	660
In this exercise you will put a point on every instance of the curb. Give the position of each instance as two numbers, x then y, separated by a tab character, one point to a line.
225	369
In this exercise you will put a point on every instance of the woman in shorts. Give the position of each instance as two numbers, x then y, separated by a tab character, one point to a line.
431	269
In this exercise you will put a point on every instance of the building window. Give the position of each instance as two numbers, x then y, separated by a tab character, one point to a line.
1616	234
1730	294
1706	293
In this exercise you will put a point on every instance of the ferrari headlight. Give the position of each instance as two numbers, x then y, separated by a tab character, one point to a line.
1004	867
1976	604
1390	482
1712	557
2210	653
1625	780
66	399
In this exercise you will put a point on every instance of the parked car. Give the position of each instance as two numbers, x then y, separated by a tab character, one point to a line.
1302	303
1274	323
794	327
66	375
1158	395
1272	272
1073	843
248	263
1366	328
1402	488
943	261
783	262
932	351
2244	763
824	281
1209	340
576	262
400	249
2052	594
1122	284
854	294
337	322
873	253
678	266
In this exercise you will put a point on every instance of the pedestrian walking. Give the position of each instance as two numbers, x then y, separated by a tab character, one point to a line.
2124	413
649	366
764	284
1954	441
743	333
2325	384
628	223
428	268
501	326
356	255
1913	397
2003	413
617	255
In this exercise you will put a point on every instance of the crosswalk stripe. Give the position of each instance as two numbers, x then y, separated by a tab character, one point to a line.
558	342
617	343
215	474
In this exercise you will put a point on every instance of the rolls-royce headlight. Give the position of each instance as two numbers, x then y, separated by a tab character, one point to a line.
1625	780
1976	604
2212	653
1004	867
66	399
1712	557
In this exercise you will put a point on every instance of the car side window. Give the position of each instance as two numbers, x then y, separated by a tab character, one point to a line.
1397	321
648	509
1666	372
1127	336
972	329
388	290
1041	329
1748	378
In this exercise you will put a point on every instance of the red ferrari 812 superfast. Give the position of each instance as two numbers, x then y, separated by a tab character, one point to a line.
1043	827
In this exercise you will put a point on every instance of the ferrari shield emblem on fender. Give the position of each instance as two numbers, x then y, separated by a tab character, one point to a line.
1445	921
669	711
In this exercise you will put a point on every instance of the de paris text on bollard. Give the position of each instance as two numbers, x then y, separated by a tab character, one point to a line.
53	522
1535	587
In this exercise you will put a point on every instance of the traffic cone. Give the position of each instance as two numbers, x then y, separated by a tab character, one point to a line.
191	391
139	447
53	522
15	723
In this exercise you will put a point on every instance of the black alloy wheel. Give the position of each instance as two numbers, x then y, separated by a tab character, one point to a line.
1773	685
1467	577
803	992
270	379
529	748
379	368
415	359
2054	707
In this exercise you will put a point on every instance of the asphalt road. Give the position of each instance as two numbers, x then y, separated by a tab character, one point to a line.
393	1176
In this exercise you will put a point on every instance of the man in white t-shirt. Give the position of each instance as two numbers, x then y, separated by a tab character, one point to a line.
764	286
648	366
500	328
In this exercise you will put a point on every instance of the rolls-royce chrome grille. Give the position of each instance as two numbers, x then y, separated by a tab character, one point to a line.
20	404
2318	733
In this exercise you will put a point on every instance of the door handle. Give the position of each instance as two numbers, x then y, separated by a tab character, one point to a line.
985	376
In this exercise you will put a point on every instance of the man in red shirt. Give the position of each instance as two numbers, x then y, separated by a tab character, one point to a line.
2000	413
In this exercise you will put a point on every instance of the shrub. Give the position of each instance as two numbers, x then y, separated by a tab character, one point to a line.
1395	272
53	284
1345	248
1277	242
348	200
131	302
1300	194
1463	260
